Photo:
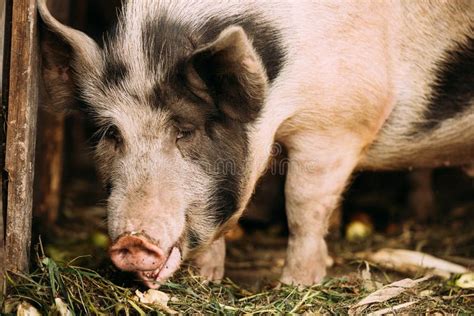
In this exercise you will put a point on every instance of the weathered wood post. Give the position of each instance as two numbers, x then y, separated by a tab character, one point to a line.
21	133
2	143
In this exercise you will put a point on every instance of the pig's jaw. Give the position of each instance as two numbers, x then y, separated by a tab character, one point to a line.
153	279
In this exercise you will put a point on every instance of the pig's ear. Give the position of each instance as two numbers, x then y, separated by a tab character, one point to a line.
65	53
230	72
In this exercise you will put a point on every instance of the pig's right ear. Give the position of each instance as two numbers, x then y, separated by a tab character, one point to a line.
65	52
229	73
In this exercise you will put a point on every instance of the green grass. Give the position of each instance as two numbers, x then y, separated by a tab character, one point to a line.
88	293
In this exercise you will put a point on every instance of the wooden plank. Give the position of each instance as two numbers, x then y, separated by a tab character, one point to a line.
2	33
2	146
21	133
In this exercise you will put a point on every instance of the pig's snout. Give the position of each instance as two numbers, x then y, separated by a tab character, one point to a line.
136	253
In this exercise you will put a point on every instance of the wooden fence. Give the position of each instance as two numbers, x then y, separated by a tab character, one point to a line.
19	113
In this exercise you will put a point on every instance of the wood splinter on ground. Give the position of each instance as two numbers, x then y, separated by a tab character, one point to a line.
413	262
386	293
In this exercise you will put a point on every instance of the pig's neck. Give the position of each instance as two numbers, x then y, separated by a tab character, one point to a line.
262	138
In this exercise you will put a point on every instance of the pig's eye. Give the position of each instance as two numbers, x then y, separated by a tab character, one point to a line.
112	134
184	134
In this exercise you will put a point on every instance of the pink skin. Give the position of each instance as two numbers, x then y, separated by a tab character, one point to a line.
137	253
153	279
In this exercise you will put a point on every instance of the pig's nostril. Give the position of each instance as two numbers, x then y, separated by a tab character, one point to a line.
123	252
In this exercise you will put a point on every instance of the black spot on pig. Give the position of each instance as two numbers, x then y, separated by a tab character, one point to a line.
167	41
227	159
453	91
114	72
219	147
193	239
157	97
225	199
221	151
108	187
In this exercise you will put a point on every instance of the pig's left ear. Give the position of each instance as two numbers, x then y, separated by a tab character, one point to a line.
66	52
230	73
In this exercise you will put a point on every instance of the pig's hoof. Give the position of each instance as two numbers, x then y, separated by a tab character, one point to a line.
304	281
212	273
305	276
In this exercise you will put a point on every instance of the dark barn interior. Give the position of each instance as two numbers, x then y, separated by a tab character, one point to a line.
428	211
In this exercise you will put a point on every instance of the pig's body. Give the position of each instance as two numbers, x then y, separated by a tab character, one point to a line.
184	85
402	55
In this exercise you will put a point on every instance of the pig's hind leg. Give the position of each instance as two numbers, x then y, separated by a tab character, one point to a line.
318	171
421	197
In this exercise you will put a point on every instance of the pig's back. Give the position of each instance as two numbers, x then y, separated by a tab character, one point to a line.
432	123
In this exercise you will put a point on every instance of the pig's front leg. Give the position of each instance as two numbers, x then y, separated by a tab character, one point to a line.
318	170
211	261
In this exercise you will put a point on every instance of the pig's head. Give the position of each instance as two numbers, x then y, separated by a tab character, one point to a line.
172	110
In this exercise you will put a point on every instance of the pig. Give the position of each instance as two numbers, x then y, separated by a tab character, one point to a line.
189	96
421	197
